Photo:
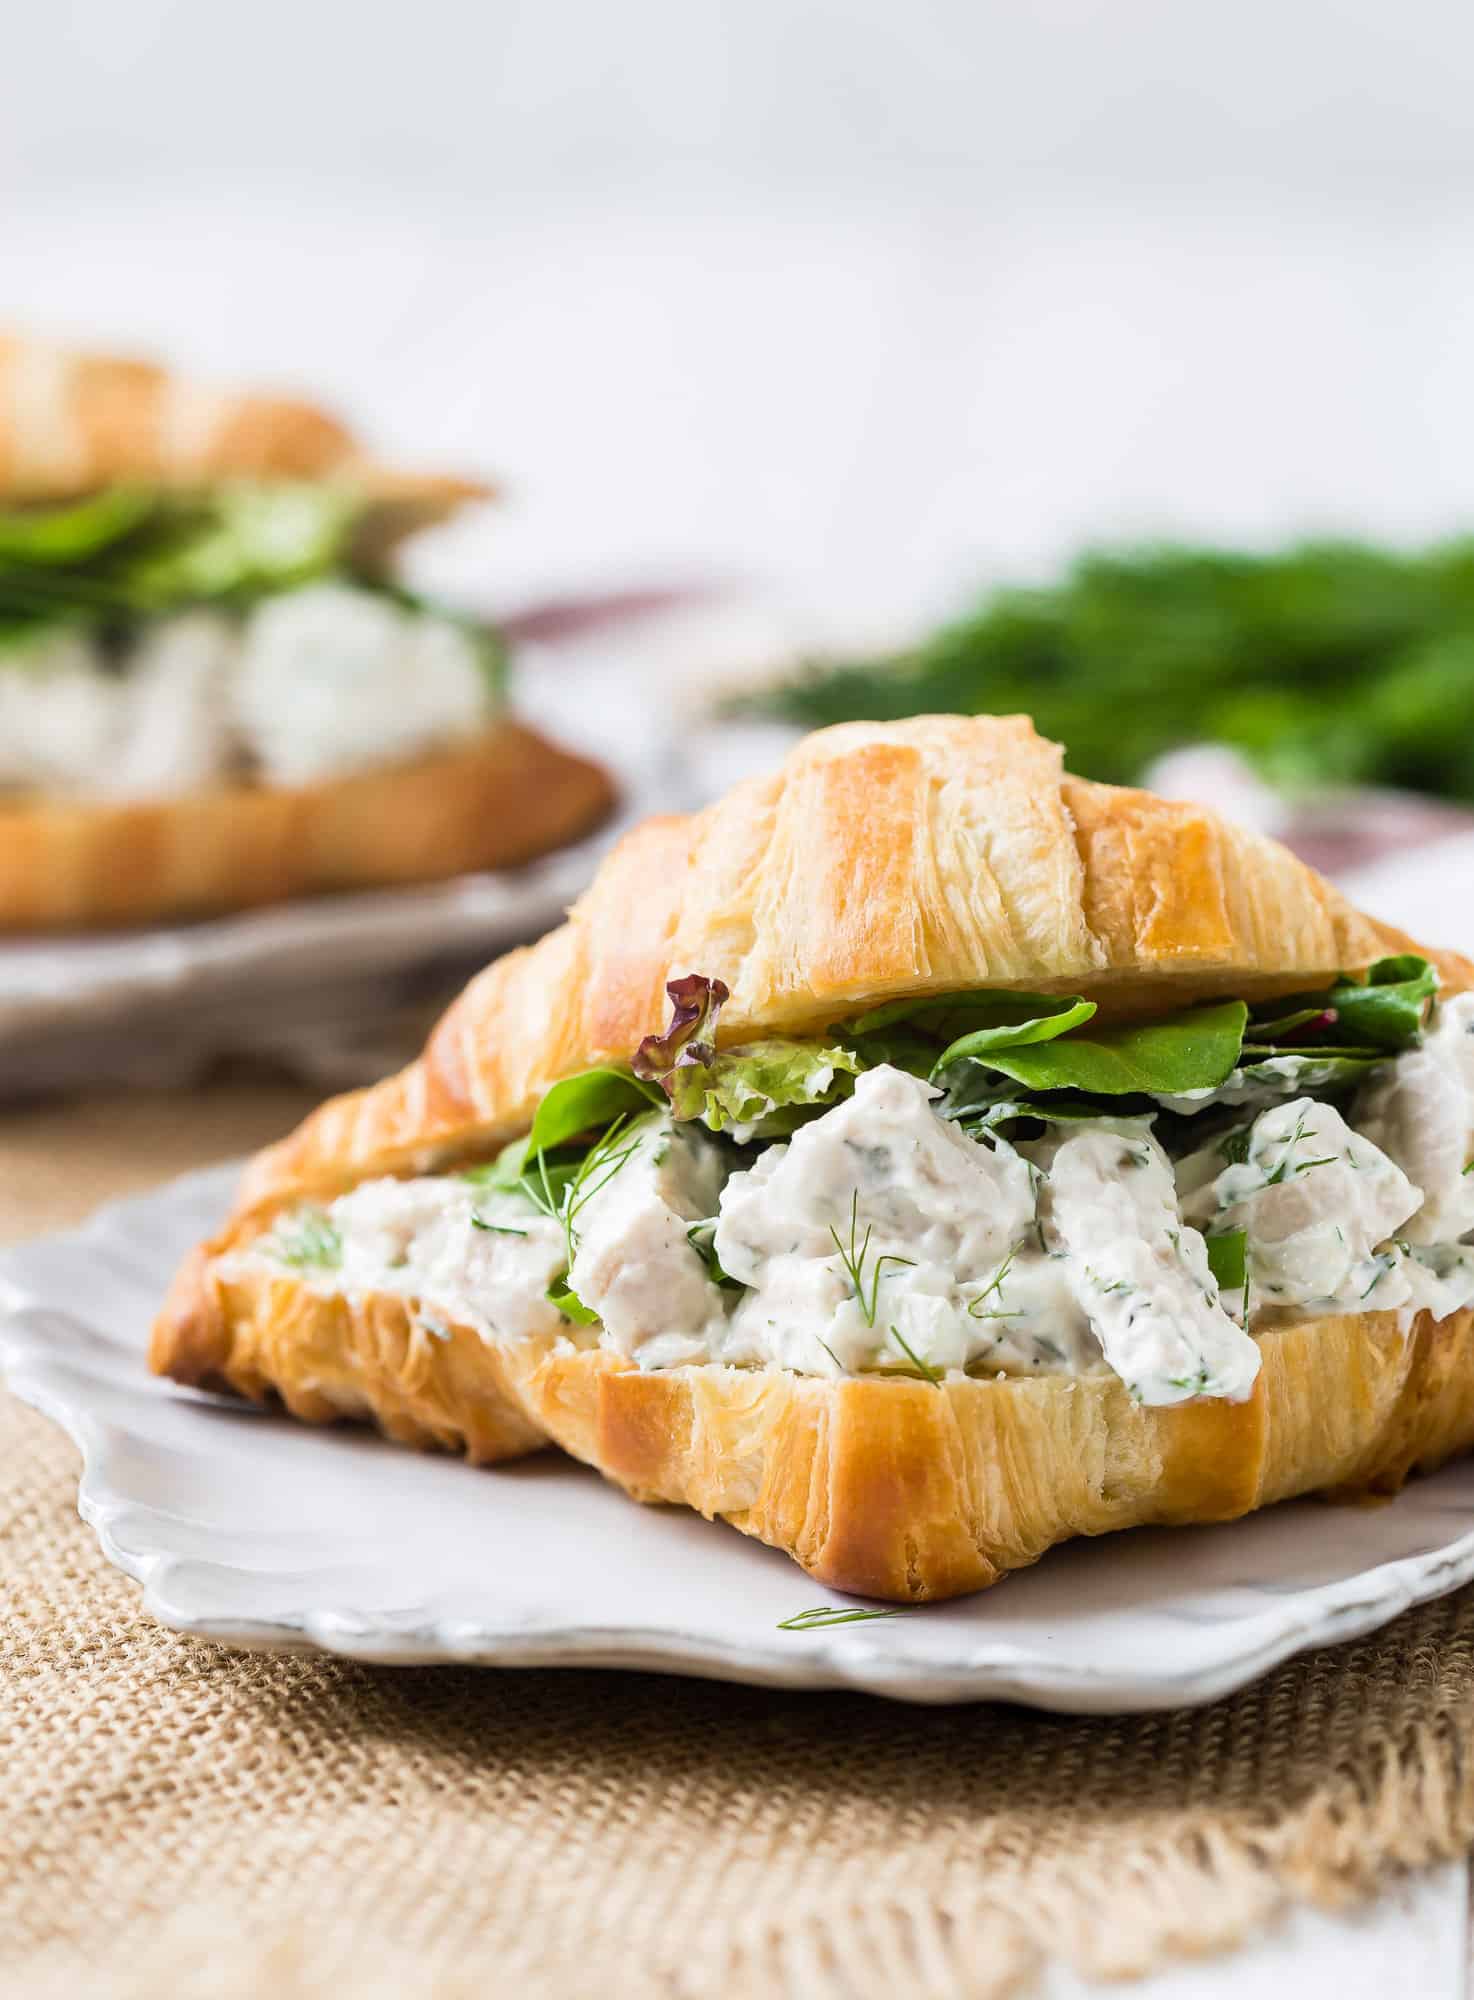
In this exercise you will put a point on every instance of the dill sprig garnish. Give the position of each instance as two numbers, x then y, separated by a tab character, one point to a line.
923	1368
598	1168
545	1186
832	1614
993	1287
494	1228
855	1257
1290	1168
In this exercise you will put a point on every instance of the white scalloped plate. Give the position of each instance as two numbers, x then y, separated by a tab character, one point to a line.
155	1005
257	1531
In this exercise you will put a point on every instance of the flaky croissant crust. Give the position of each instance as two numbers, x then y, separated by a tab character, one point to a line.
880	861
495	801
72	422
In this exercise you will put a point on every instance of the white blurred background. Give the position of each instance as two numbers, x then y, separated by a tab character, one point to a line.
851	302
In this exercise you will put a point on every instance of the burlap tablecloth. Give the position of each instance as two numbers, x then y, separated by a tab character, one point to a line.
181	1820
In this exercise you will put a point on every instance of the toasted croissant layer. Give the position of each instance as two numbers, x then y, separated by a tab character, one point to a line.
494	802
876	1485
881	861
72	422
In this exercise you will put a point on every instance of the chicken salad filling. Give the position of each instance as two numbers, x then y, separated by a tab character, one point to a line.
993	1183
153	645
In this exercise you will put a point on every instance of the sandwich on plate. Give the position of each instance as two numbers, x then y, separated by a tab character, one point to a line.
915	1159
212	694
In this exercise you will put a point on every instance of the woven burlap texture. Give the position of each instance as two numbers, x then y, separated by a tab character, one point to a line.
180	1819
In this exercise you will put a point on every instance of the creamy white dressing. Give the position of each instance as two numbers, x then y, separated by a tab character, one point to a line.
60	713
1325	1215
333	679
634	1263
173	732
1274	1077
313	683
465	1256
1420	1112
1108	1210
882	1237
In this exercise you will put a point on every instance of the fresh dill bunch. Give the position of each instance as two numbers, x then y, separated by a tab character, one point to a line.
1325	663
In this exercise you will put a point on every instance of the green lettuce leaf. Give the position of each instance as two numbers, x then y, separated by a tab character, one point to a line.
569	1303
923	1036
131	552
1385	1013
76	531
1228	1259
1194	1050
1389	1010
592	1099
771	1084
1028	1028
701	1237
247	540
580	1107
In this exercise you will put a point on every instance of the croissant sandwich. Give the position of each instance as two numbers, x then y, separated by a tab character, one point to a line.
915	1159
211	695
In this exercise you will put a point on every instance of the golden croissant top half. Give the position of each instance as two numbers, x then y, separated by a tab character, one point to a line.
74	422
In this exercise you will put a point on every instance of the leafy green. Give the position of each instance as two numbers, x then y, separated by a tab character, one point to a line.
1019	1033
1388	1010
695	1002
308	1240
773	1085
1228	1254
132	552
569	1303
701	1237
1034	1039
595	1097
923	1035
75	531
1194	1050
1326	663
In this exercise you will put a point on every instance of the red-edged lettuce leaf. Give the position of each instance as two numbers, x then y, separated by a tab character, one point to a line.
695	1002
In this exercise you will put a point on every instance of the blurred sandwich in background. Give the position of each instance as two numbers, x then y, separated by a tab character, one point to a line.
212	693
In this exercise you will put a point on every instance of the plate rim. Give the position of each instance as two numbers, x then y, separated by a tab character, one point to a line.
1330	1613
